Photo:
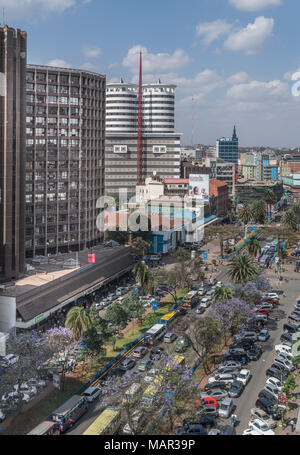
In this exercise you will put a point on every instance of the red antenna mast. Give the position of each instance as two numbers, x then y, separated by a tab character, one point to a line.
140	130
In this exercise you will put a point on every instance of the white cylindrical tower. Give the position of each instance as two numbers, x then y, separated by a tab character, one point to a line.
121	107
159	107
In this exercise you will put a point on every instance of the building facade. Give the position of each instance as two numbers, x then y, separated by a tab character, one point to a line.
228	148
13	52
65	141
161	145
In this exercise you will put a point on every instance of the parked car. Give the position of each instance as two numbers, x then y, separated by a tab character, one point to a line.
283	348
138	419
205	302
208	400
230	370
286	337
192	429
272	389
254	353
276	382
269	396
126	364
182	344
227	378
182	311
261	426
226	408
200	309
92	393
170	337
156	353
215	385
263	335
267	406
244	376
257	413
140	352
284	363
275	371
218	394
231	364
285	355
236	389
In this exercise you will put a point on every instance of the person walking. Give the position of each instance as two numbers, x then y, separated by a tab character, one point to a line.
233	420
292	423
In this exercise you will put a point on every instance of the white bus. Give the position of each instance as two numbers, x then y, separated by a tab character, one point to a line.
156	333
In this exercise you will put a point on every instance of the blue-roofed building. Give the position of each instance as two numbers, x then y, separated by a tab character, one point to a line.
228	148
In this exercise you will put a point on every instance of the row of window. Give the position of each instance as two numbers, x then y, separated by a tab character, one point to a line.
63	79
61	142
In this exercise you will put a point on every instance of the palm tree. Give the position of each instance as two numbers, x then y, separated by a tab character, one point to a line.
241	269
258	211
290	220
253	247
245	214
222	294
296	210
78	321
140	271
269	198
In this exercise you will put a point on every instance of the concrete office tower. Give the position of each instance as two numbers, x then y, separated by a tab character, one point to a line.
161	146
65	141
121	107
159	107
13	48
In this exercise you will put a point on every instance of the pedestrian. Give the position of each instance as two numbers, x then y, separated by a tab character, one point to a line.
292	423
233	420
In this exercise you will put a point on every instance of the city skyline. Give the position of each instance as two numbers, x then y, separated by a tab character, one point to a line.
236	64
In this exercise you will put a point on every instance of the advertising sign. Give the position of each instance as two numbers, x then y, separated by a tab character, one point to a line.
91	258
199	186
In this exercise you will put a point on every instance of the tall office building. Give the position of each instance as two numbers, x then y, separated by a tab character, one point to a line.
13	48
161	145
65	141
228	148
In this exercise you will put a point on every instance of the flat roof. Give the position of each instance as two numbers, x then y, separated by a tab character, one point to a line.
37	299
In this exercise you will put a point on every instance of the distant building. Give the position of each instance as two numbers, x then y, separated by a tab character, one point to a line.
228	148
13	54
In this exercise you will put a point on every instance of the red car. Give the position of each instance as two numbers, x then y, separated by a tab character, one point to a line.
208	401
261	311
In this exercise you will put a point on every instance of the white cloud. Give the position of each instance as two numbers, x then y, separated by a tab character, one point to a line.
238	78
91	51
210	31
31	9
59	63
251	38
155	63
254	5
89	66
257	90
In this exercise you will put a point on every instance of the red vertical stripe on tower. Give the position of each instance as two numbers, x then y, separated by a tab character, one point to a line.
140	130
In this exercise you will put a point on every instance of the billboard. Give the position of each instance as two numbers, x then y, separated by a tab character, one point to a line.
199	186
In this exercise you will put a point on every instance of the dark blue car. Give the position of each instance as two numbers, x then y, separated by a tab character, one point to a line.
286	337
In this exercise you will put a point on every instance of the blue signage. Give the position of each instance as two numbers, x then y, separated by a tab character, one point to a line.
154	305
205	256
254	228
269	216
283	246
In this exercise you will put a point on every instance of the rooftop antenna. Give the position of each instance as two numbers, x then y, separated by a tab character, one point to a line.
3	16
140	129
193	120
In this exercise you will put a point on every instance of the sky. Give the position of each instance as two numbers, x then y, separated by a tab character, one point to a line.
232	60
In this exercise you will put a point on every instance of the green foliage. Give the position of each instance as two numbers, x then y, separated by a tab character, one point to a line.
140	246
289	386
78	321
241	269
117	315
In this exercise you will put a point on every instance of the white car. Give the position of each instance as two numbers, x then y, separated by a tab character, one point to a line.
276	382
285	355
271	295
261	426
11	359
244	376
250	432
282	348
151	375
284	363
272	390
205	303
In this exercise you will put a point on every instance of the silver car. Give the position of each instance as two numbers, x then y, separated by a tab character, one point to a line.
226	408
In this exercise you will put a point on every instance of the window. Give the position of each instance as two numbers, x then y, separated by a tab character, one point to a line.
52	99
74	101
74	111
64	143
64	79
29	76
41	88
29	109
120	148
63	132
159	149
52	89
63	111
40	99
52	78
29	86
40	131
30	98
63	100
41	77
64	90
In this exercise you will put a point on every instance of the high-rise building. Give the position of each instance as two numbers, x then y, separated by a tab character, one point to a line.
228	148
13	49
161	145
65	141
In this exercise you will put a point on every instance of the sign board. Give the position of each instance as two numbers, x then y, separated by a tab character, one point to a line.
205	256
91	258
154	305
199	186
254	228
269	215
39	318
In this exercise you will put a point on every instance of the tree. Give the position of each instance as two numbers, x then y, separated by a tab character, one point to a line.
117	315
245	214
62	341
269	198
203	337
253	247
224	232
222	294
140	246
78	321
289	219
241	269
259	213
134	306
140	271
296	210
32	351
